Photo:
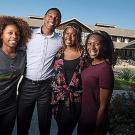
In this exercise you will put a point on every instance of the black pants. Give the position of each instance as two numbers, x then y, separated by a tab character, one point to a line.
31	92
67	118
7	122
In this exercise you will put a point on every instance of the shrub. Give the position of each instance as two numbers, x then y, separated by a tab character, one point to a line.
127	74
122	114
124	79
120	84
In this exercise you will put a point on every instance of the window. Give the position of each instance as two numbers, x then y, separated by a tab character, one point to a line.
114	38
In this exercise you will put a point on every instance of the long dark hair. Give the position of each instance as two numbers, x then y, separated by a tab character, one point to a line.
108	47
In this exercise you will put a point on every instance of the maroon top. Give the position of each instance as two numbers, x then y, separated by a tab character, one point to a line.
93	78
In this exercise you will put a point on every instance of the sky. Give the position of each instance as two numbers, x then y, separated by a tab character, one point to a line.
114	12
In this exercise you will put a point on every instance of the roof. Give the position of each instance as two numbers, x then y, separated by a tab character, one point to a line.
83	26
37	21
105	25
114	31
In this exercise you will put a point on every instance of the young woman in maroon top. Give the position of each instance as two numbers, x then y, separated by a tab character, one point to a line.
97	83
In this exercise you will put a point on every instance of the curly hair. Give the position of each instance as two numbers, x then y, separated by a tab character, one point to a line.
108	47
24	29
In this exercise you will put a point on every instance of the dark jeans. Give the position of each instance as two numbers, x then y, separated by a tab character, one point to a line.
31	92
67	118
7	122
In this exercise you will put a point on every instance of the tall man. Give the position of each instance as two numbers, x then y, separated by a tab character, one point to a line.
36	84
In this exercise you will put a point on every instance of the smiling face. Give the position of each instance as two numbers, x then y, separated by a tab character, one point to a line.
69	37
95	46
10	36
51	20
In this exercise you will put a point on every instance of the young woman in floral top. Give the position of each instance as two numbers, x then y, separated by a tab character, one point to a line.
67	88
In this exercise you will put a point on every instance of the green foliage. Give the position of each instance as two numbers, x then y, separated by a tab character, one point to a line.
122	115
124	79
127	74
119	84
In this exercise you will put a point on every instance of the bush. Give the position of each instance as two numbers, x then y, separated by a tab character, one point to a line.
120	84
124	79
127	74
122	114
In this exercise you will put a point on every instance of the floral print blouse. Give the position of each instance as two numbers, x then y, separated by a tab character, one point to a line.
61	90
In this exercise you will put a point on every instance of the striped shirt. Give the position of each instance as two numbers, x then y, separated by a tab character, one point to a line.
41	52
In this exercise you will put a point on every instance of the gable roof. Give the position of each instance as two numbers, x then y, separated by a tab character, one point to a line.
84	27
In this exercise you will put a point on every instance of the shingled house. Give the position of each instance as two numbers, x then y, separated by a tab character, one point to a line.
123	39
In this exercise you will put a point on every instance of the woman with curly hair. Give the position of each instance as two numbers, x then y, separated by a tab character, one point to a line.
14	34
